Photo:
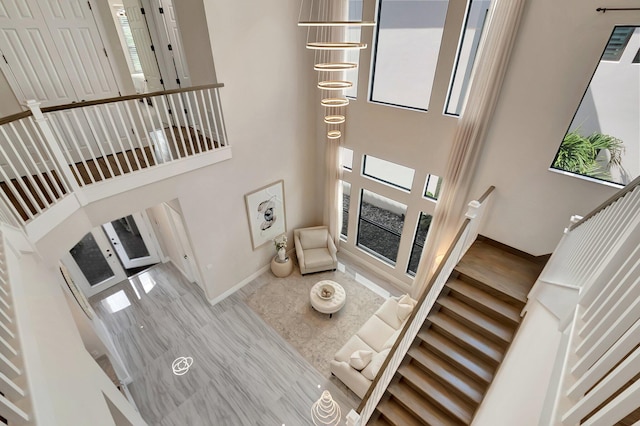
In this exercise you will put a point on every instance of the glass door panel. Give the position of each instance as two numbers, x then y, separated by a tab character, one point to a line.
88	255
131	240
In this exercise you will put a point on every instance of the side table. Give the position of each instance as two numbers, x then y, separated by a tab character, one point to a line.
281	269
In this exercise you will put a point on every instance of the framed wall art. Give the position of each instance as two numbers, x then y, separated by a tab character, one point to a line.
265	211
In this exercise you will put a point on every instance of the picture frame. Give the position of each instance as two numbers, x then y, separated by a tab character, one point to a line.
266	213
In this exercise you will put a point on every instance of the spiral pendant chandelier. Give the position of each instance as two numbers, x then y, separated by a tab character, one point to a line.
326	22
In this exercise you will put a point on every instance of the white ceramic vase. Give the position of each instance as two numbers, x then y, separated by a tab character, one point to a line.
282	253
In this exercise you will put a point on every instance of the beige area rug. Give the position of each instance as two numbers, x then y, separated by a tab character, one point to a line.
284	304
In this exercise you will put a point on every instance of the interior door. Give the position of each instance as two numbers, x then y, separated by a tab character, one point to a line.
32	64
54	52
93	265
171	42
132	241
184	245
142	39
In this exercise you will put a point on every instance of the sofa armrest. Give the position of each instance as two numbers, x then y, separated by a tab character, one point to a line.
350	377
299	251
332	247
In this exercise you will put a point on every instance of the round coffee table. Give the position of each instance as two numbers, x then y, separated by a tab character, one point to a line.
327	306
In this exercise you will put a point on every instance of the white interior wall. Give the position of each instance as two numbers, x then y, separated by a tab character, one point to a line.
542	90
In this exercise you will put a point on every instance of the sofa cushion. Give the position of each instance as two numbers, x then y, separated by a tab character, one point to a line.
354	343
388	313
371	370
392	339
360	359
316	257
375	332
403	311
313	238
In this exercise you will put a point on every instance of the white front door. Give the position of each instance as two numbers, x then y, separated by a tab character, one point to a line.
54	52
132	240
93	264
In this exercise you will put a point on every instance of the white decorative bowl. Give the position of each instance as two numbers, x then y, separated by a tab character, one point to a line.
326	292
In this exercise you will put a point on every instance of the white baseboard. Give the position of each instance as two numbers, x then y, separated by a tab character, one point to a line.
238	286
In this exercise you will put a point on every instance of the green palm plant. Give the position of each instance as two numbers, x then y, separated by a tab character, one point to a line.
577	154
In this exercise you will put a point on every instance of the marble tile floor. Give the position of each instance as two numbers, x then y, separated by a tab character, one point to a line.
243	372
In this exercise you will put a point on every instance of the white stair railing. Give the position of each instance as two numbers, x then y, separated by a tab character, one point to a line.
466	236
49	153
600	255
15	405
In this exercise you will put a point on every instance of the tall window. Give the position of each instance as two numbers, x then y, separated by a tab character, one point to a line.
422	229
432	187
346	158
603	140
346	200
388	172
407	48
475	19
380	226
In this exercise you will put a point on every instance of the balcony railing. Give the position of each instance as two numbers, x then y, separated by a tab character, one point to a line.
48	153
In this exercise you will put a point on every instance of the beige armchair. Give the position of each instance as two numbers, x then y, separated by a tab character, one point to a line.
315	249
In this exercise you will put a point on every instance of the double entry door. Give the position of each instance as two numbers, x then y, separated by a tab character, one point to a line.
103	256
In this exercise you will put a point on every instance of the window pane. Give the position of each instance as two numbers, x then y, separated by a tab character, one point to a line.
422	229
380	225
617	43
346	200
470	40
432	188
407	47
88	255
346	158
388	172
353	55
603	140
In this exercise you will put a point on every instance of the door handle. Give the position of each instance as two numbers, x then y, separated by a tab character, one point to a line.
110	255
185	256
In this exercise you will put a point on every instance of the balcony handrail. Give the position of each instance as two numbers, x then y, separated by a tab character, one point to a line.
129	97
461	242
630	187
15	117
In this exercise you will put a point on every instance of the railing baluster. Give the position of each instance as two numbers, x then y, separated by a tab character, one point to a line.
122	149
137	133
126	129
171	128
88	145
107	138
158	133
20	183
193	126
105	158
74	141
223	128
36	191
186	123
147	134
206	116
179	127
215	119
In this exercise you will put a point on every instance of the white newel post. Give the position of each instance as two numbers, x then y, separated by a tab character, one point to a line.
352	419
56	149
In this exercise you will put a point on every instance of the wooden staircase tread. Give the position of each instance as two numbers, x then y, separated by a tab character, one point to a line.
468	339
446	404
483	301
447	374
458	356
396	414
425	412
504	271
476	320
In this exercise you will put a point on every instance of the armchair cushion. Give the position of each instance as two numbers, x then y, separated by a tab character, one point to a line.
314	238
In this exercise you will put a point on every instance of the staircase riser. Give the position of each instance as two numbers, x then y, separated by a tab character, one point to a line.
434	402
450	387
492	291
482	308
469	348
478	378
476	327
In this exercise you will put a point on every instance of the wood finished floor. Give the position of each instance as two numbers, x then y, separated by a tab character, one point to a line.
243	372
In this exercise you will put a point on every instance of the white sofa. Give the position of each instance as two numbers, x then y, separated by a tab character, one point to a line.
376	337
